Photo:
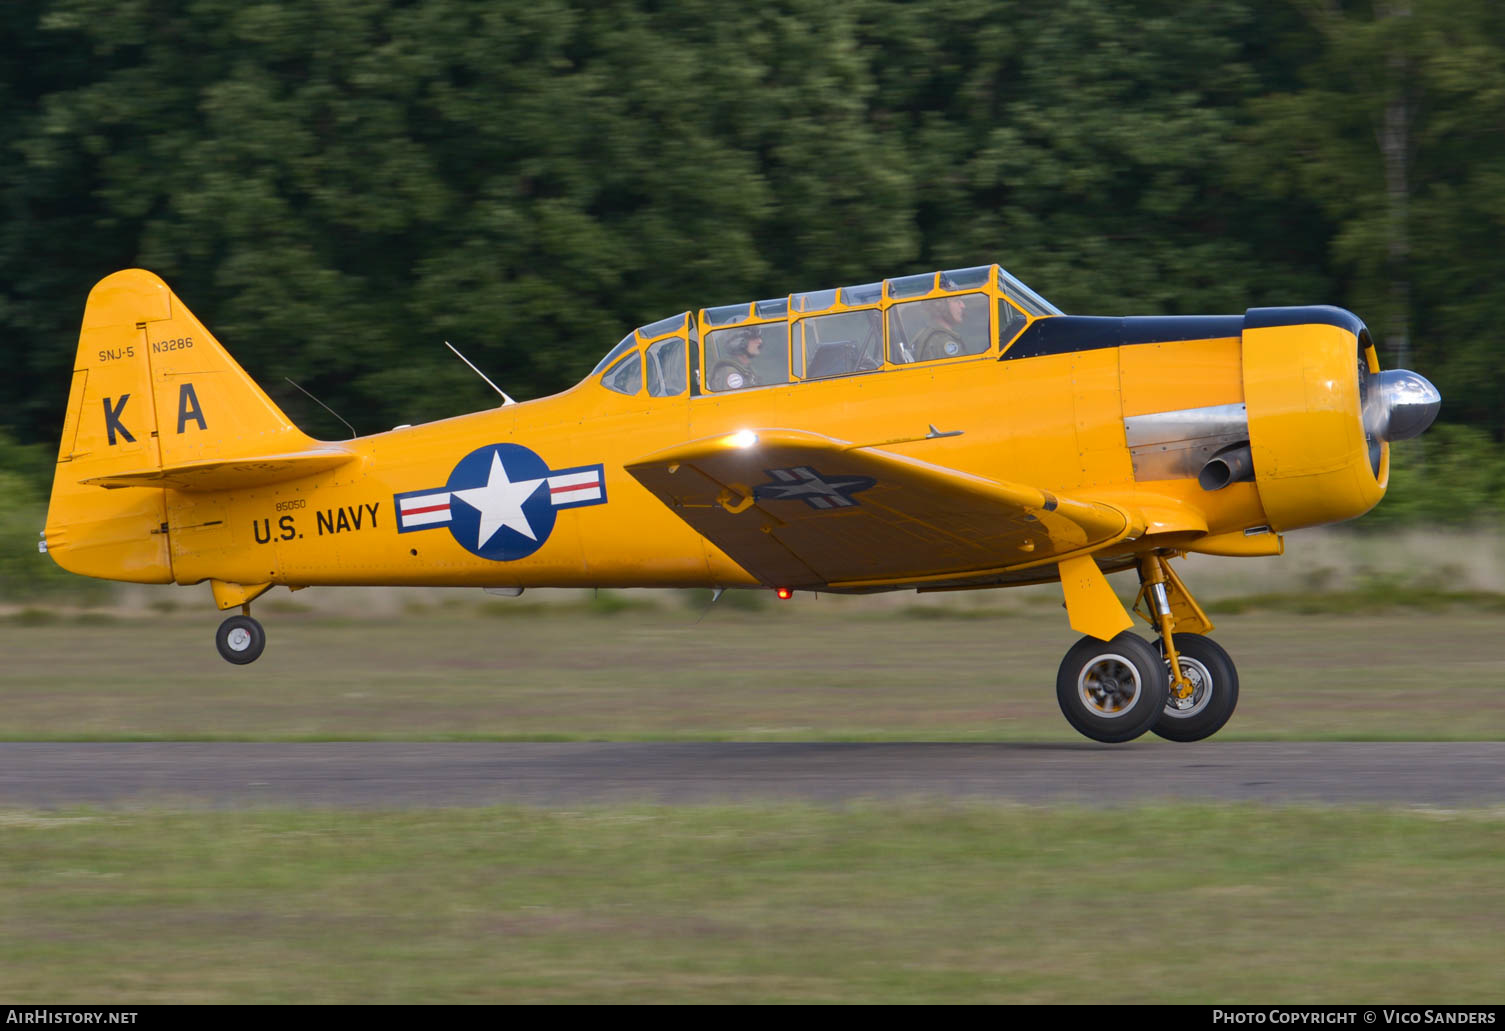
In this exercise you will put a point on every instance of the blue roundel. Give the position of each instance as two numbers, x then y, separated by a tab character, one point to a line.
500	506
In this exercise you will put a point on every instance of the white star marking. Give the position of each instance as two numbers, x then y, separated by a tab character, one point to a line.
500	503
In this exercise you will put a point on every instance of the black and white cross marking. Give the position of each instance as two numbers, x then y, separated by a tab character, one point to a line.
803	483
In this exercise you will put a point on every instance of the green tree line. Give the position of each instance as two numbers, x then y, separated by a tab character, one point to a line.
337	186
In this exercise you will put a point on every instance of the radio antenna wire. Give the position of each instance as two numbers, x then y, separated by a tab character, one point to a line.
328	409
505	399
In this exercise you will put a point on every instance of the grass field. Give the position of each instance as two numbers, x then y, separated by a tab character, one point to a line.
786	903
810	669
917	901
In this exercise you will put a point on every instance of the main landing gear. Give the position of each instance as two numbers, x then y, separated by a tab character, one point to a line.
1112	690
1184	687
1213	682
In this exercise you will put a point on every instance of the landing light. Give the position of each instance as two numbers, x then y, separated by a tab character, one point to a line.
742	438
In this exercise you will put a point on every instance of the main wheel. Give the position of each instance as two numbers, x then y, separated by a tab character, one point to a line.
1214	694
1112	690
240	639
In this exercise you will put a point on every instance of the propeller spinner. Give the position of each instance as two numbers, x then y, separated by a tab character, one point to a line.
1398	404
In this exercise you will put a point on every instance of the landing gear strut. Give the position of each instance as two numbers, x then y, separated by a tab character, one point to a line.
1203	681
1214	682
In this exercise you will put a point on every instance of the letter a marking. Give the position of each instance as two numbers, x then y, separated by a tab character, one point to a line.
188	408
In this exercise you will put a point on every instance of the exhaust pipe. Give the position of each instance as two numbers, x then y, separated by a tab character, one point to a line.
1233	464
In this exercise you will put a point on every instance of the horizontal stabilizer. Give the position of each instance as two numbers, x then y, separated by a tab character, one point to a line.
229	474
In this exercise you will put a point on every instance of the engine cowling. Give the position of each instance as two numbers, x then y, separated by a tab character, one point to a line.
1321	414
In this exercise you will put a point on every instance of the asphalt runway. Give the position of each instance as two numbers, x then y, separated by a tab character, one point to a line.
403	775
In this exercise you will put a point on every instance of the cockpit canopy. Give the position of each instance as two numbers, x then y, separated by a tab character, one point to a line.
945	316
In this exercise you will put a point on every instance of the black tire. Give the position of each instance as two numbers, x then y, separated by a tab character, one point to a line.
240	639
1215	690
1112	690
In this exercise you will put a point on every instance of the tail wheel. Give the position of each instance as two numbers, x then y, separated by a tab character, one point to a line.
240	639
1112	690
1214	690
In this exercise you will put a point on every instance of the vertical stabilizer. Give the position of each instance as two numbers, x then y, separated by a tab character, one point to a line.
151	388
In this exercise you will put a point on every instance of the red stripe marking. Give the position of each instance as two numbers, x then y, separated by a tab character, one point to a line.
579	486
432	508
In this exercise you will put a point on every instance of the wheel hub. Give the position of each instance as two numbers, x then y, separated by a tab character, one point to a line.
1200	679
238	639
1109	686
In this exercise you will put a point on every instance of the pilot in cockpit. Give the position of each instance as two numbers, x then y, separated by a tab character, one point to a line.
943	337
735	369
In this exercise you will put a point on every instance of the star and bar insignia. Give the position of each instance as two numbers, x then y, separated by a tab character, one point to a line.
500	501
803	483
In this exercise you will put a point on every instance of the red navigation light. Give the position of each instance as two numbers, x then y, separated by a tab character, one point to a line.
784	593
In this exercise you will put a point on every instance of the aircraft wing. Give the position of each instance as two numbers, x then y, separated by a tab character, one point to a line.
799	509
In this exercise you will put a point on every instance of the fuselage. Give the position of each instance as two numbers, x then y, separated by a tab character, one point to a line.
1055	419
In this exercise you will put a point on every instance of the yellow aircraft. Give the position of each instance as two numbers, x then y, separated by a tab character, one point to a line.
945	431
